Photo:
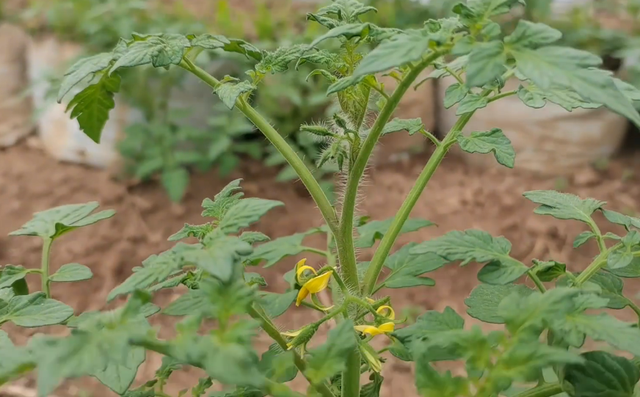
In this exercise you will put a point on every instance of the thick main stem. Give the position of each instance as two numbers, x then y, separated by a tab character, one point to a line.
351	375
44	268
307	178
347	249
371	277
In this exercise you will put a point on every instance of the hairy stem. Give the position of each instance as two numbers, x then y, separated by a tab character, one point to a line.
44	269
273	332
307	178
548	390
371	277
347	251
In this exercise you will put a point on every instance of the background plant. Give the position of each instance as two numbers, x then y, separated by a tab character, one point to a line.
536	353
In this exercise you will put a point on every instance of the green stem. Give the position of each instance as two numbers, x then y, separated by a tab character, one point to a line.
347	250
454	74
351	375
273	332
371	277
44	269
593	268
431	137
542	391
537	281
635	308
596	230
500	96
307	178
316	251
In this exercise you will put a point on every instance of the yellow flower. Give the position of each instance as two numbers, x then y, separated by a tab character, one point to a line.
313	285
390	314
376	330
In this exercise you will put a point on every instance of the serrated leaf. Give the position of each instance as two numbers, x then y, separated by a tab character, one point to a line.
454	94
574	70
485	299
71	272
493	141
532	35
10	274
602	375
531	98
375	230
245	213
329	359
564	205
548	271
274	251
158	50
82	69
478	246
92	105
611	289
583	238
229	196
276	305
486	63
406	269
213	42
620	219
34	310
57	221
278	61
471	103
348	31
412	126
624	255
229	91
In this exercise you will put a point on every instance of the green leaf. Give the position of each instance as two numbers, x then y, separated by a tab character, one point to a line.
92	105
278	61
485	299
620	219
34	310
175	181
71	272
486	63
471	103
375	230
493	141
278	365
431	383
531	97
276	305
345	10
430	323
563	67
254	279
11	274
406	269
230	91
15	361
213	300
329	359
220	256
532	35
348	31
155	269
611	289
549	270
213	42
82	69
229	196
602	375
254	237
564	205
245	213
478	246
454	94
583	238
603	327
630	271
119	376
57	221
483	9
412	126
624	255
158	50
274	251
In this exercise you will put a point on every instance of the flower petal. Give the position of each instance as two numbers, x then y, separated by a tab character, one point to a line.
301	295
318	283
368	329
387	327
391	314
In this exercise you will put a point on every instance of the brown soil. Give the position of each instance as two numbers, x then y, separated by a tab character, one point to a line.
457	198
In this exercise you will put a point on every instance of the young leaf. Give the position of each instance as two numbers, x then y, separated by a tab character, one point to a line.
471	103
478	246
158	50
213	42
348	31
328	359
620	219
71	272
345	10
548	271
532	35
611	289
531	97
602	375
230	91
276	304
92	105
412	126
278	365
564	205
82	69
175	181
10	274
375	230
245	213
220	256
454	94
486	63
34	310
273	251
254	279
406	269
493	141
229	196
583	238
278	61
622	256
485	299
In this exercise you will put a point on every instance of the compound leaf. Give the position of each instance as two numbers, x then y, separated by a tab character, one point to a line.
493	141
219	256
82	69
564	205
375	230
71	272
158	50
